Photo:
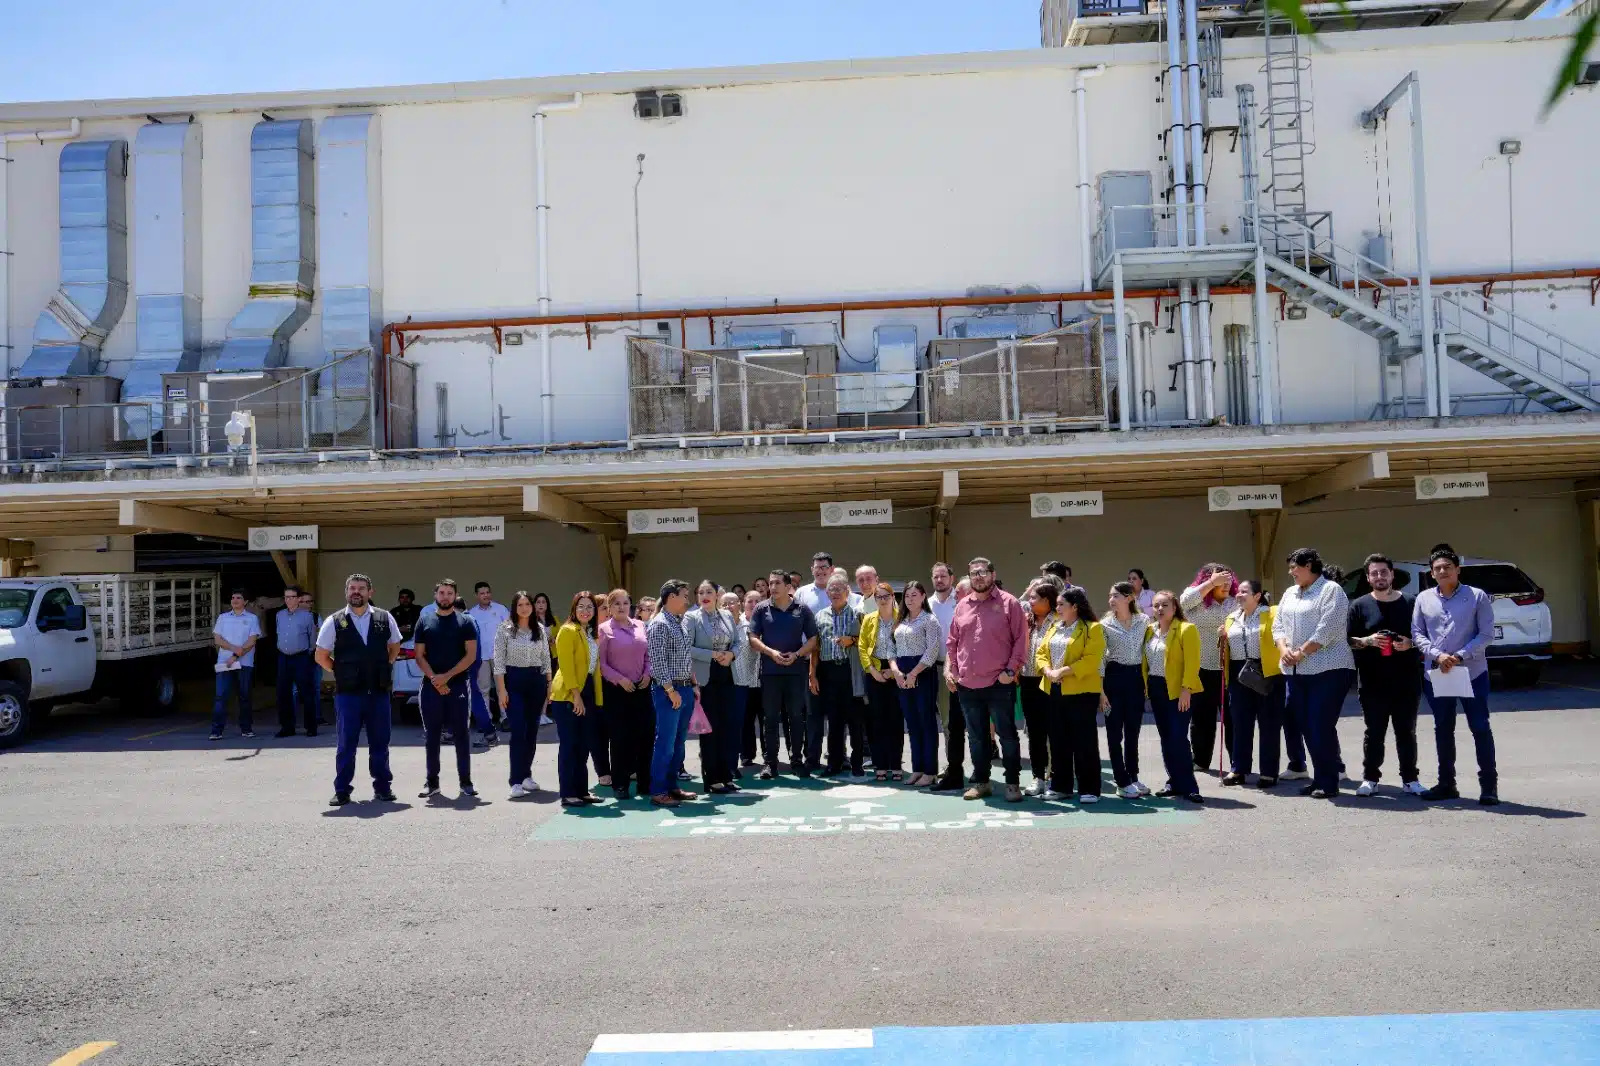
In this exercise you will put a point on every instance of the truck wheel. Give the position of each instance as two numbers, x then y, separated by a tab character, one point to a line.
14	716
162	688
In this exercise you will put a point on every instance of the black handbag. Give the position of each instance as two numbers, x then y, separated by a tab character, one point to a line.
1251	677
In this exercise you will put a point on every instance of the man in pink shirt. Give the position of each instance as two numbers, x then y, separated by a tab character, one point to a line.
988	640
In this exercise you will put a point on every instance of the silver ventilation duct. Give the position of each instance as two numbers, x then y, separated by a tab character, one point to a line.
94	262
166	207
282	253
350	253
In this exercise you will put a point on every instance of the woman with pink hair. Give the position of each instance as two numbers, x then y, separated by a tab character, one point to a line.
1208	601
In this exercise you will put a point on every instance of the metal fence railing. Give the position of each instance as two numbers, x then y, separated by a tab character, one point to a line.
357	402
1053	380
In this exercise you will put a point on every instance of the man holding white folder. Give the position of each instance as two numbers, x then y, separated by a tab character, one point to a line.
1453	626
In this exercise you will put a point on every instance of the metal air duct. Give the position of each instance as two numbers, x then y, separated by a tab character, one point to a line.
166	206
94	262
350	253
282	252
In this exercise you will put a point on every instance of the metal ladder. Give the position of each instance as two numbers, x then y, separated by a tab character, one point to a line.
1287	118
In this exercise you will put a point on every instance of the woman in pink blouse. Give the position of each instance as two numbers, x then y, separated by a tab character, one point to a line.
625	673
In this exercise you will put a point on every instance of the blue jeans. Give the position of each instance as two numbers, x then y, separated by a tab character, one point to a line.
1476	708
672	731
1124	689
294	686
442	712
369	710
1315	700
998	704
1173	725
237	684
572	758
920	706
481	719
525	691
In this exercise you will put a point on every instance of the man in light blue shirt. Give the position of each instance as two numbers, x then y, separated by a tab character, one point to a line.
235	636
297	636
1453	626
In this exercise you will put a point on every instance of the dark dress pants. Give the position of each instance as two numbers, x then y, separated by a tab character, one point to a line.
1036	719
1174	727
295	686
526	688
717	746
1248	710
355	712
1383	702
843	715
995	703
1124	689
886	724
441	712
783	707
1203	707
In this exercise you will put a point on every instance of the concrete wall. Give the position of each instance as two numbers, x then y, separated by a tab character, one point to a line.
861	187
1535	525
57	556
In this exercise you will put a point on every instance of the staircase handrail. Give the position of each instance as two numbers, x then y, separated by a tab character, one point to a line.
1567	362
1352	271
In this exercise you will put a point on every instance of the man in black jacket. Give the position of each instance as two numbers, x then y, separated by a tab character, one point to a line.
358	644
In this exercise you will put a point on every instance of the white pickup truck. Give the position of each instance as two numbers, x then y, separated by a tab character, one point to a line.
78	638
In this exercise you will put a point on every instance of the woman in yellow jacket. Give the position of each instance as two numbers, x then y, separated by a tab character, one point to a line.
576	698
1249	633
1172	677
1069	667
886	731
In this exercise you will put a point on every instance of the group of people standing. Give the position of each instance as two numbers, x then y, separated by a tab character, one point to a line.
843	677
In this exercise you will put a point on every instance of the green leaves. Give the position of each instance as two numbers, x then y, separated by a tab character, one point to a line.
1572	66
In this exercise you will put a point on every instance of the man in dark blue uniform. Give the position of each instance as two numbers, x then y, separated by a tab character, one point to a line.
358	644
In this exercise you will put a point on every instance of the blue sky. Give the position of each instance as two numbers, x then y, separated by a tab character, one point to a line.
87	49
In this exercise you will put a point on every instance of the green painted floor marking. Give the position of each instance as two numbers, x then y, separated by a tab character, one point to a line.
795	807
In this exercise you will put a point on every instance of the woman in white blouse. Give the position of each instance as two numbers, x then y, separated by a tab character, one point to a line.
1122	695
917	643
1144	597
1040	603
1206	604
522	680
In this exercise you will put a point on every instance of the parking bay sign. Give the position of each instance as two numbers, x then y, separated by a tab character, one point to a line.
282	538
457	530
858	513
845	810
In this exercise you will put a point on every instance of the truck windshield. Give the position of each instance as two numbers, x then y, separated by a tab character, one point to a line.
14	605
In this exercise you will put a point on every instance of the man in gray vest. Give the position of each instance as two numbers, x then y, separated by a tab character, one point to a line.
358	644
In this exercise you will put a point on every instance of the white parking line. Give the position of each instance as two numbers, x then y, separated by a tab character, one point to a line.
789	1040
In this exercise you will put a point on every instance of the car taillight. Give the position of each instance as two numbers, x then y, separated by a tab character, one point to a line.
1536	596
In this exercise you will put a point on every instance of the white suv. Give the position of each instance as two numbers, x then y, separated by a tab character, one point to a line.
1521	617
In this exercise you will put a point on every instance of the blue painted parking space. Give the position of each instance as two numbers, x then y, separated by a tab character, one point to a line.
1545	1038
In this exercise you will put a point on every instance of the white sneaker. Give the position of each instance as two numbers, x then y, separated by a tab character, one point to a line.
1415	788
1295	775
1049	794
1088	797
545	719
1144	789
530	785
1038	788
1366	788
517	792
1131	792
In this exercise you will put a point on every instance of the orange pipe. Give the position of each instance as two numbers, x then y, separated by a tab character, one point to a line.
905	303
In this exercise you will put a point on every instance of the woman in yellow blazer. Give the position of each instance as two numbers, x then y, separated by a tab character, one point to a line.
886	729
1069	670
1249	639
1172	677
575	701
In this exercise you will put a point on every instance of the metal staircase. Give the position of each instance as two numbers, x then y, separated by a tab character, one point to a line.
1526	358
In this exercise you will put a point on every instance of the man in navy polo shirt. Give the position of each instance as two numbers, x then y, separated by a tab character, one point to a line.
784	631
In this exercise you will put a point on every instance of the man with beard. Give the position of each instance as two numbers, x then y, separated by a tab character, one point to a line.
447	651
358	644
1389	670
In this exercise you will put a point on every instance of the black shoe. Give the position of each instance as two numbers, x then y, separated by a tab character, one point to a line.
468	790
766	775
1195	797
383	795
1442	792
247	732
1266	782
280	734
803	774
1488	799
1319	794
1307	790
946	783
1233	779
311	732
339	799
447	737
1168	793
830	771
428	792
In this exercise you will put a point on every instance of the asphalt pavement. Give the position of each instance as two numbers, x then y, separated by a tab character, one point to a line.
199	903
